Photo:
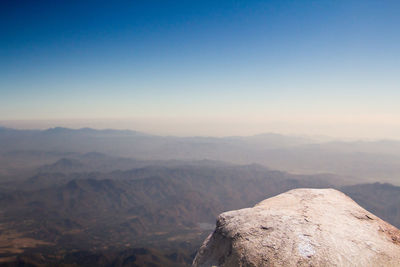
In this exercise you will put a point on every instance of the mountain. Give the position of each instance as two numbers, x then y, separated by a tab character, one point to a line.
358	161
98	197
63	165
169	208
160	207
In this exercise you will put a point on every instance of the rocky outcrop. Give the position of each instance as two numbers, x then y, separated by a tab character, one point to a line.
302	227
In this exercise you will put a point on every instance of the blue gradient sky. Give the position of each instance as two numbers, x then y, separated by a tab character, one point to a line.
235	67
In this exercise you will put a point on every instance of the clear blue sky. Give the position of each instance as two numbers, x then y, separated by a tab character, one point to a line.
264	62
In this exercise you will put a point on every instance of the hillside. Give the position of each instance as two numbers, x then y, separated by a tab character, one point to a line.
358	161
168	207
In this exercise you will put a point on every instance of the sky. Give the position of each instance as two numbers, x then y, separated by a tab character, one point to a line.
203	67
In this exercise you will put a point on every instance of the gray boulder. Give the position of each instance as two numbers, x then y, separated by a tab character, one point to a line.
302	227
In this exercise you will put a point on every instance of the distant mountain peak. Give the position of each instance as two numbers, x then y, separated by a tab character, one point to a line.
63	165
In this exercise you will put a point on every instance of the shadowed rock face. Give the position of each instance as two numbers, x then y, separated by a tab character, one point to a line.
302	227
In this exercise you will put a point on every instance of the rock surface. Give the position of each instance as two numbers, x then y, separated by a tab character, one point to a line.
302	227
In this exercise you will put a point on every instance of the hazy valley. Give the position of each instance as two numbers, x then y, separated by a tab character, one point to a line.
121	198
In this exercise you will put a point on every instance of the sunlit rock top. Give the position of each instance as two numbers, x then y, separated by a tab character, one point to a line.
302	227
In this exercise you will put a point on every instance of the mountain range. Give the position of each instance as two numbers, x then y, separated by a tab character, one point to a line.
72	204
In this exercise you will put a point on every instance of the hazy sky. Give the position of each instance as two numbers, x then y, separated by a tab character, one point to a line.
203	67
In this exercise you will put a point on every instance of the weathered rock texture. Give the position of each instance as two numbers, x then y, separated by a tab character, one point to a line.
302	227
